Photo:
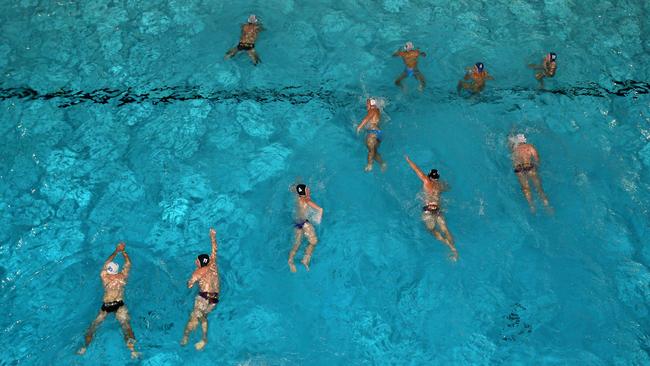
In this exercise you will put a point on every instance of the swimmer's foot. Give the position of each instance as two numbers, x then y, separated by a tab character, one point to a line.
135	354
383	167
453	256
421	88
305	262
368	167
199	345
184	341
81	351
292	267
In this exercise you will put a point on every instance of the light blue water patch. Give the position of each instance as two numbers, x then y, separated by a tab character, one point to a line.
123	122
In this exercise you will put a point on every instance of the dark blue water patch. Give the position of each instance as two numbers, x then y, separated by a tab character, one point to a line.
292	94
515	326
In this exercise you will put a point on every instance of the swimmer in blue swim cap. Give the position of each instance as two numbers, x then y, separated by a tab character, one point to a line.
477	75
207	276
432	215
546	69
409	55
374	135
302	225
249	33
114	282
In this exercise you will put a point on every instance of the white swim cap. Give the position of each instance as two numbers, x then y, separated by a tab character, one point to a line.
373	102
520	139
409	46
252	19
112	268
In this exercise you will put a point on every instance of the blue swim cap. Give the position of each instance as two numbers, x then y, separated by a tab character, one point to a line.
479	66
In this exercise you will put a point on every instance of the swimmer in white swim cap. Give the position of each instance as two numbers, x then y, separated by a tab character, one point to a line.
410	57
206	275
546	69
113	302
303	227
249	33
525	161
374	135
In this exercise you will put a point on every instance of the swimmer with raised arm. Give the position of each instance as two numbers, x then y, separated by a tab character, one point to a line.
525	161
547	68
373	136
207	275
431	212
303	226
249	32
477	75
409	55
114	282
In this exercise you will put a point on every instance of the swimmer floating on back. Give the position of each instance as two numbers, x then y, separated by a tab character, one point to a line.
249	32
373	138
477	76
525	161
546	69
431	212
207	275
114	282
410	56
303	226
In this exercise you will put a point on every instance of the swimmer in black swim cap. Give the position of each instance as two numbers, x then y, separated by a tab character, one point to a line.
302	226
546	69
113	301
431	213
477	75
207	275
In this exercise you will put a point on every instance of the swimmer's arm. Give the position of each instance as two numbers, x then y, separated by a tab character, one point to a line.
398	53
363	122
488	76
536	157
127	264
193	279
316	207
417	170
213	239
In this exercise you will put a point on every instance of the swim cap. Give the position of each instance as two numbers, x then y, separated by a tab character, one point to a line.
252	19
204	259
112	268
520	138
552	56
479	66
433	174
372	101
409	46
301	189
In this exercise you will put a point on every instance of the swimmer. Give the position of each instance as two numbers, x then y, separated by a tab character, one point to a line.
409	55
431	212
249	32
373	138
303	226
525	161
546	69
477	76
114	282
207	275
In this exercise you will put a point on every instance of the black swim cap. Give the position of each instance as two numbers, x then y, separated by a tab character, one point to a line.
553	56
480	66
301	189
433	174
204	259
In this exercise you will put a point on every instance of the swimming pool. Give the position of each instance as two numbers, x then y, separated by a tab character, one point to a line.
121	121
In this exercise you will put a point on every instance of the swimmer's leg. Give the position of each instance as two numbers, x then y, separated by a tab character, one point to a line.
91	330
420	77
254	57
538	186
310	233
399	79
192	322
378	158
525	187
122	316
231	52
449	239
204	338
371	144
430	223
296	245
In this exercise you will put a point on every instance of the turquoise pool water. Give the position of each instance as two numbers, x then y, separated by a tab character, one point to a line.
121	121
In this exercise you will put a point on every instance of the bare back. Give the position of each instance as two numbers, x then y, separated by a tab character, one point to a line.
524	154
431	191
113	286
302	209
208	277
374	115
249	33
